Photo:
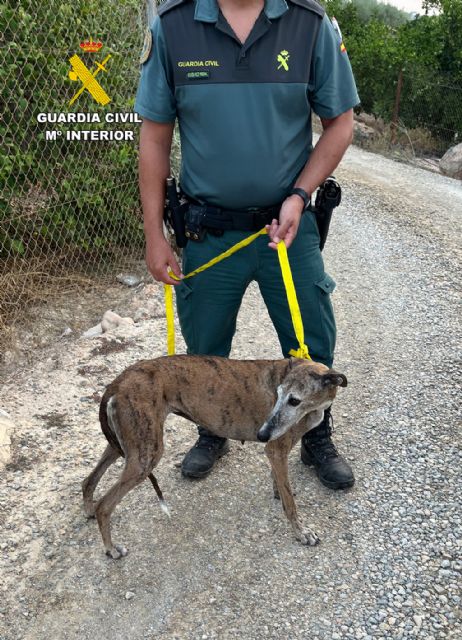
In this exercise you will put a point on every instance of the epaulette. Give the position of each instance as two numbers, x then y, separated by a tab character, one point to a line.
169	4
311	5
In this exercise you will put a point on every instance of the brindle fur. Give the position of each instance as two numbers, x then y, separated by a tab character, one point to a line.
237	399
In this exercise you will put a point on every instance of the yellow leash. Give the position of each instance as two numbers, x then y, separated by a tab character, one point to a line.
302	351
168	289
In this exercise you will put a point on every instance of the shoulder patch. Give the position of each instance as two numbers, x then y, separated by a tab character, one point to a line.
147	46
166	5
336	26
311	5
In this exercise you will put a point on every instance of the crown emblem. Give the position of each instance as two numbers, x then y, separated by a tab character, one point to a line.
90	46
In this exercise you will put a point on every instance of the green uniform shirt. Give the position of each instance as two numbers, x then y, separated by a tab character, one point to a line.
244	110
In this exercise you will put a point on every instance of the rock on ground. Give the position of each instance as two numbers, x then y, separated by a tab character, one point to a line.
451	162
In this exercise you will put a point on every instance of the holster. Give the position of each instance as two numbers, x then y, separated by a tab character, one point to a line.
328	197
174	213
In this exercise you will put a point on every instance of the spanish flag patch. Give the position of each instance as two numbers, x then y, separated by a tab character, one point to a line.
342	48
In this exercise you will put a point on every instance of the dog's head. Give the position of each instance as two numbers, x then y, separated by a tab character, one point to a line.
307	386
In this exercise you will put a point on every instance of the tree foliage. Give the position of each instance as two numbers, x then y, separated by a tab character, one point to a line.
427	50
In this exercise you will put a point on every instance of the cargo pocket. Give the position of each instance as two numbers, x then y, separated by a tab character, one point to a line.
184	305
326	286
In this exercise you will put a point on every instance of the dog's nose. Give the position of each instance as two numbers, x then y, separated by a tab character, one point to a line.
264	433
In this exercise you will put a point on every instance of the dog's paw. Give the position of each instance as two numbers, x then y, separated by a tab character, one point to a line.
308	537
89	509
117	551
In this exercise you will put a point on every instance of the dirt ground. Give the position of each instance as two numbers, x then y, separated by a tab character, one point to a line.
226	564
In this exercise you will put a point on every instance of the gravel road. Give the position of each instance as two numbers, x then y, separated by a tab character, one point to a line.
226	564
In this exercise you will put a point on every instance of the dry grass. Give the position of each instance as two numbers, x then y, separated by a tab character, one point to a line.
23	285
44	294
408	143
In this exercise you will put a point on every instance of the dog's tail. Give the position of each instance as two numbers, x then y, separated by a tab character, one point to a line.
163	504
107	419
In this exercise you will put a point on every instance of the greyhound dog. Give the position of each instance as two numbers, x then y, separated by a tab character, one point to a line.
272	401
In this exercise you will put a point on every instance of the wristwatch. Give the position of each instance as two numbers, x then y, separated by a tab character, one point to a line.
297	191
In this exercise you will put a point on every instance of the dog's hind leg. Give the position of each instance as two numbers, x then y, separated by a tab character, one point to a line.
278	452
109	456
133	474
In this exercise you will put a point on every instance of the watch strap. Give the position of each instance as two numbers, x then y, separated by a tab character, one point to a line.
298	191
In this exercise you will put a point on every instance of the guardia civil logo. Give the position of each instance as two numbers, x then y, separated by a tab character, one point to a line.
87	77
283	59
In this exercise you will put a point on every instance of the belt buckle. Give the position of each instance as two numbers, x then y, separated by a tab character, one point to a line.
260	218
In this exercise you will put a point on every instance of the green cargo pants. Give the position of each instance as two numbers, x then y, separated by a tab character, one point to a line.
209	302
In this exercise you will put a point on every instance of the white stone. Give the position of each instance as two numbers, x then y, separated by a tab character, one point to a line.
112	321
451	162
362	133
93	332
128	279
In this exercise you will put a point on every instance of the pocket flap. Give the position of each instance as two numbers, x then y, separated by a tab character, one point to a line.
327	283
183	290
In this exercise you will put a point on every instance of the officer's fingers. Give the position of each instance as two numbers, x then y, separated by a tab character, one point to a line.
274	224
161	273
290	236
166	278
281	231
272	228
174	266
292	231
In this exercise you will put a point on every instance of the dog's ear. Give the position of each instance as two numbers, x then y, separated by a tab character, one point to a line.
293	362
334	378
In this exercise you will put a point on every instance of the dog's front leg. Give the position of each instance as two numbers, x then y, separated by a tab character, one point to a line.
278	453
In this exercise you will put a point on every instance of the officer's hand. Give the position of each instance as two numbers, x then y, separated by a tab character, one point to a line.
159	259
289	220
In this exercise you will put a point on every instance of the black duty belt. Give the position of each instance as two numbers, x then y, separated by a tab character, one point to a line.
215	218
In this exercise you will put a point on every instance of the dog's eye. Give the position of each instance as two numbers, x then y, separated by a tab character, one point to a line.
293	401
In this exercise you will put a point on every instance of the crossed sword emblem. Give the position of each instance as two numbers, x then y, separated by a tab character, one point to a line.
87	78
283	58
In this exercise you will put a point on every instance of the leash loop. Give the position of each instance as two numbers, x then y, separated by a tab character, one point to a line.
302	351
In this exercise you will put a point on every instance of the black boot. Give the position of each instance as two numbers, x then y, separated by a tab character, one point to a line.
199	460
319	451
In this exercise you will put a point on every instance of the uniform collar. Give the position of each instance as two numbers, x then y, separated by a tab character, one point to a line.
208	10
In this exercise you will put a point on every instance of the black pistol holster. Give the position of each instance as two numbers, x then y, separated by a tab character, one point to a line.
174	212
328	197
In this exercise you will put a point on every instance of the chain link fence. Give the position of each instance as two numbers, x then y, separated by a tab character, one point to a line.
69	206
419	124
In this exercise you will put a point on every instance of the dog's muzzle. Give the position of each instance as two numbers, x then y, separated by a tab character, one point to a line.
264	433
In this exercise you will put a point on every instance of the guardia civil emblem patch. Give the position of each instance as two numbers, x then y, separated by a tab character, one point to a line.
147	46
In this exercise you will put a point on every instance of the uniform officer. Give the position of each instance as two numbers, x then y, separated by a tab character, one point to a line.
242	78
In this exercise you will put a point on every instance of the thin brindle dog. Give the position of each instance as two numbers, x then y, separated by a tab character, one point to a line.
272	401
